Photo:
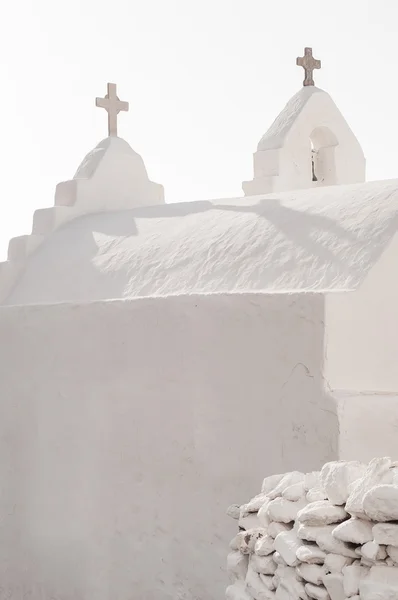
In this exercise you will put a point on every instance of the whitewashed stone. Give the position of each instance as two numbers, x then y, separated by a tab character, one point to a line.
270	482
236	541
275	528
279	560
392	551
328	543
262	514
312	480
318	592
380	503
268	581
380	584
237	591
256	588
316	494
264	546
333	582
287	480
249	539
377	472
311	555
321	513
373	551
308	533
263	564
386	533
311	573
233	511
282	510
337	476
289	586
287	543
335	563
294	492
254	505
237	564
351	578
354	530
249	521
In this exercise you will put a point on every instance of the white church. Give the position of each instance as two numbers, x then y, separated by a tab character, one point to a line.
154	357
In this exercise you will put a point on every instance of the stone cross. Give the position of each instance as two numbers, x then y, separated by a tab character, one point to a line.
113	106
309	63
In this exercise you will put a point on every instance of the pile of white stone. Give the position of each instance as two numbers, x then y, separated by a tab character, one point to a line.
325	535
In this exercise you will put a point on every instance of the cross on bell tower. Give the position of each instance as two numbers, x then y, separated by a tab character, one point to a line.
113	106
309	63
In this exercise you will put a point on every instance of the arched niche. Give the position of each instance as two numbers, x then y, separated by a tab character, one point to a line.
323	143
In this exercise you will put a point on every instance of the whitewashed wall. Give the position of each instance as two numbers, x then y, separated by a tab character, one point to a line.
361	334
127	427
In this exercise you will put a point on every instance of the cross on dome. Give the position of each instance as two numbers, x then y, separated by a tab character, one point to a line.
309	63
113	106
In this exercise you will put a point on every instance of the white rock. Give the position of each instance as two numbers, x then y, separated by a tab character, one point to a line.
308	533
249	521
351	578
233	511
256	588
312	480
311	573
237	591
334	563
311	555
321	513
287	480
263	564
380	503
289	586
318	592
386	533
275	528
282	510
237	564
377	472
279	560
333	582
336	477
236	542
264	546
268	581
287	543
262	514
316	494
249	539
392	551
328	543
269	483
294	492
372	551
253	506
380	584
354	530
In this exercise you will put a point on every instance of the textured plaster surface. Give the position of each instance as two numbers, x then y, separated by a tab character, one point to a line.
324	239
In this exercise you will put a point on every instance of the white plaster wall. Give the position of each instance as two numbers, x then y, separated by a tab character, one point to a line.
362	333
368	425
126	428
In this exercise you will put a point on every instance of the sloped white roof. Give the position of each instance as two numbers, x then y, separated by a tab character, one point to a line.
275	135
320	239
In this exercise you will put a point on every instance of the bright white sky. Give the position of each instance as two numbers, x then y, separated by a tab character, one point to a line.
204	78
